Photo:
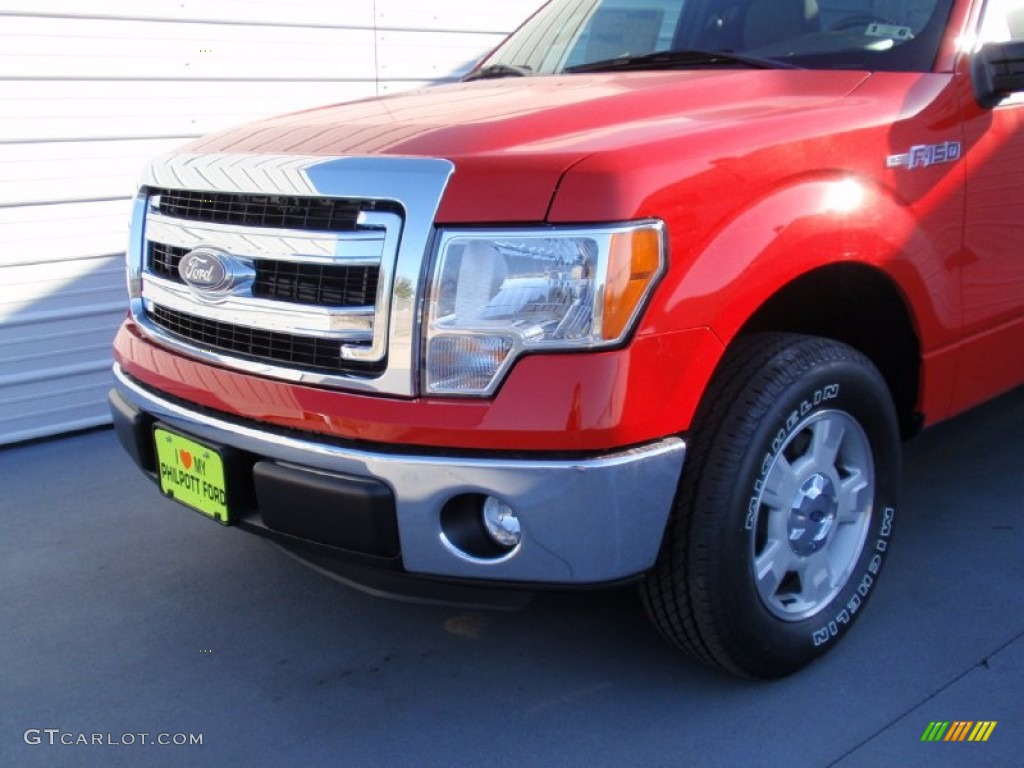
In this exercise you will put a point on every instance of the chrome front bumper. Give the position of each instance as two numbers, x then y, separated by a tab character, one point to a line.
584	521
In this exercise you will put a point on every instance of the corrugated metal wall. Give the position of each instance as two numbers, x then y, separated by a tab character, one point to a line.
89	91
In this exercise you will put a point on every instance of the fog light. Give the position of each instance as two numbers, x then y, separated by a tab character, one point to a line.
501	523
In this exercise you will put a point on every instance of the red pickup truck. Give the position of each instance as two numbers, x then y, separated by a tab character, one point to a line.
651	296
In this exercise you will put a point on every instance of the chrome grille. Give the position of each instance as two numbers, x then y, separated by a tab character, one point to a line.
317	261
298	299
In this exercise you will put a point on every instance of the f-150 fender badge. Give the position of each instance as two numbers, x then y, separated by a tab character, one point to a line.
924	155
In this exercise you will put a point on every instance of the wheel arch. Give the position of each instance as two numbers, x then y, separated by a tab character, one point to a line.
858	305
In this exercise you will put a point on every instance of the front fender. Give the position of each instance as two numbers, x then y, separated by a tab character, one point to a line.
812	224
721	281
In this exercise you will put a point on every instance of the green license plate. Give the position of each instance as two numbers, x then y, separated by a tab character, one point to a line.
192	473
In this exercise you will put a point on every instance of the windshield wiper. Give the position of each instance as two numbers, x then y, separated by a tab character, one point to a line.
492	71
672	59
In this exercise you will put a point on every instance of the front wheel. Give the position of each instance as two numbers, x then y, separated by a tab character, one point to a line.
785	509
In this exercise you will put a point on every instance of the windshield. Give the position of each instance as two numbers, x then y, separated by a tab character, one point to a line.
596	35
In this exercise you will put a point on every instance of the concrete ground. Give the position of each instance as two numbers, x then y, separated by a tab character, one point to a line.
123	614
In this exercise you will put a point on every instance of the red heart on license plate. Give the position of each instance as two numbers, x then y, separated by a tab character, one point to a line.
186	458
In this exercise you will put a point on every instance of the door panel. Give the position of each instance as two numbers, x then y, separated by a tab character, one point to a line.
993	271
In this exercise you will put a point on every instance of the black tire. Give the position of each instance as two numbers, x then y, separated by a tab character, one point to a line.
763	484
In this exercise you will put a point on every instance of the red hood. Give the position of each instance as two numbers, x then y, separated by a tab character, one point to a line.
517	136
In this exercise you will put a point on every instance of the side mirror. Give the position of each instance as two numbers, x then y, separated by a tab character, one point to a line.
998	72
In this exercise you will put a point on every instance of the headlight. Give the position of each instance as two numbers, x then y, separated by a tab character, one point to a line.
498	294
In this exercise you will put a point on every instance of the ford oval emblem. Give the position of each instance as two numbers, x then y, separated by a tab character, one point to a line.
206	270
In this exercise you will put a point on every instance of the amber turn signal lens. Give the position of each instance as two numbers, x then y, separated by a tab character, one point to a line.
634	261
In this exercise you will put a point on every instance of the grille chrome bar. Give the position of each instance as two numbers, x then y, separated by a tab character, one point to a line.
363	248
354	325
